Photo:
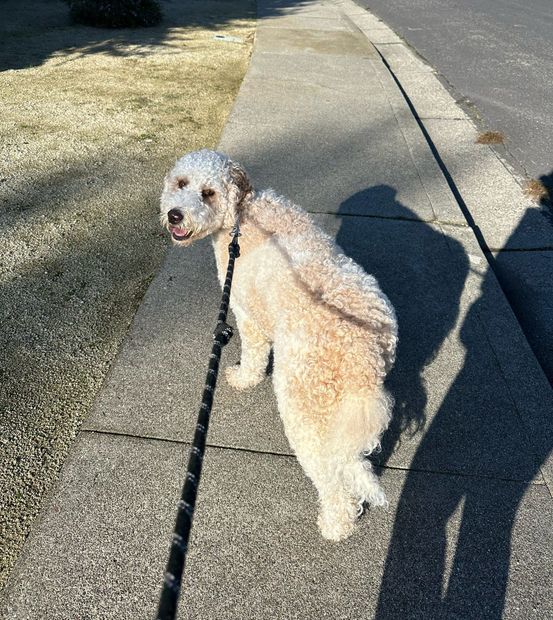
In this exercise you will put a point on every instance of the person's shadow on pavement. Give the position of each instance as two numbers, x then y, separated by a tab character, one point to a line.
526	279
406	257
449	552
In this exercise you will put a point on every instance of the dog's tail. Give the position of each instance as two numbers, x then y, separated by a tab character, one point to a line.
326	271
356	432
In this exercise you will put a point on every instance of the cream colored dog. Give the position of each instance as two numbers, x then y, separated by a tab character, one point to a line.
332	330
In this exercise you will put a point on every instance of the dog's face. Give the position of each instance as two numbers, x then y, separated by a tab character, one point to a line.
202	195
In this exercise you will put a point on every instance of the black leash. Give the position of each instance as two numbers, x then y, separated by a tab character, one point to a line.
169	598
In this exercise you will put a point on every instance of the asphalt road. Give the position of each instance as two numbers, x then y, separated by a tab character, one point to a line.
498	53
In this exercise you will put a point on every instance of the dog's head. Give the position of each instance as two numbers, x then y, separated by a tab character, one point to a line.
202	194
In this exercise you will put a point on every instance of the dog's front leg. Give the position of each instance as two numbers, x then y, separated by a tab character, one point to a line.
255	354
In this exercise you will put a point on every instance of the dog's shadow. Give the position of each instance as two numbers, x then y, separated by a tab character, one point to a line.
449	552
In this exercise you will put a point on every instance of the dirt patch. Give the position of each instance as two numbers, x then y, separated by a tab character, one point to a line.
90	121
537	191
490	137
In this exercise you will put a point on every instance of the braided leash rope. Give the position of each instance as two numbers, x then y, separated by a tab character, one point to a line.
168	602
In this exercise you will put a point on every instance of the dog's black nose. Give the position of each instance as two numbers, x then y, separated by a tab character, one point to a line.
174	216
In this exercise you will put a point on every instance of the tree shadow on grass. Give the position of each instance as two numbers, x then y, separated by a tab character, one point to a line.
65	306
34	31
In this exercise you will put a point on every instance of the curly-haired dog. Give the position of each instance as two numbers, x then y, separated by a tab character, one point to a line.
332	330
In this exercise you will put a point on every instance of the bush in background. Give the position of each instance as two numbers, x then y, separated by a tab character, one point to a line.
116	13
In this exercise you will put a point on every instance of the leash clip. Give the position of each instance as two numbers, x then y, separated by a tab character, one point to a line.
234	246
235	232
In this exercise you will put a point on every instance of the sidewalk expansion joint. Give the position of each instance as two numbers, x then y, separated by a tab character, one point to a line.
182	442
367	56
285	455
303	82
397	218
546	248
462	475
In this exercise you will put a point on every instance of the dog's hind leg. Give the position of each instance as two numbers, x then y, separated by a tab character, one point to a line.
330	440
337	507
336	462
255	354
344	485
362	484
338	510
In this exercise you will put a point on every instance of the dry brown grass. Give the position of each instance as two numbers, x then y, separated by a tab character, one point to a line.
536	190
90	120
490	137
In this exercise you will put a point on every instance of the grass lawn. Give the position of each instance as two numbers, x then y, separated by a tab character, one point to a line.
90	121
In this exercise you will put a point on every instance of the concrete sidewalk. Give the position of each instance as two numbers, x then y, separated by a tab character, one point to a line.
465	462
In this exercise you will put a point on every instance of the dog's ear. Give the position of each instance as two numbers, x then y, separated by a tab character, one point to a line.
242	187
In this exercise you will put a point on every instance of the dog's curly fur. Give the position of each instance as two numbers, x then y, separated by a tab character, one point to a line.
332	330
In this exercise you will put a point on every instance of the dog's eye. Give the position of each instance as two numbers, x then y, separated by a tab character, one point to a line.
207	193
182	183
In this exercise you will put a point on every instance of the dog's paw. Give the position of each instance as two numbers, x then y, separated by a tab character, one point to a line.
241	380
334	529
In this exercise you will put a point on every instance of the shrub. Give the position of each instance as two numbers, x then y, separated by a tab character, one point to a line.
115	13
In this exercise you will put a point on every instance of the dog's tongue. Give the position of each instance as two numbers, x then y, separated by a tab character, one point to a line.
179	232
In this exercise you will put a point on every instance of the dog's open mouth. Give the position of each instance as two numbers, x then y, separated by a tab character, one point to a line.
180	233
